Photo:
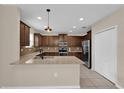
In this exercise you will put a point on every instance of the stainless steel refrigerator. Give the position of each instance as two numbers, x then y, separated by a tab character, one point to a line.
86	53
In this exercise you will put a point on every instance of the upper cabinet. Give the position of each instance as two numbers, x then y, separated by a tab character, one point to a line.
74	41
88	36
51	41
24	34
38	40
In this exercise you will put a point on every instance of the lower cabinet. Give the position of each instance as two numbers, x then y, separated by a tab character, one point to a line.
77	54
51	54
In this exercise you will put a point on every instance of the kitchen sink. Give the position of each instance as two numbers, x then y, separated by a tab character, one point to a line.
44	57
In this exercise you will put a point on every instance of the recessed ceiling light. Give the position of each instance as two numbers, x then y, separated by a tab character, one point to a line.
74	26
81	19
39	18
45	26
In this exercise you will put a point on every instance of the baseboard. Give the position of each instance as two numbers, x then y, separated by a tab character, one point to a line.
40	87
118	86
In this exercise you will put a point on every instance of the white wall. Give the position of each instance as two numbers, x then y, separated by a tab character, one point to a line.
9	41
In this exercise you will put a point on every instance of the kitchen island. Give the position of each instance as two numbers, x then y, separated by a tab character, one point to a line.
50	72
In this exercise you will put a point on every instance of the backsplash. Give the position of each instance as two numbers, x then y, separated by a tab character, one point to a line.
75	49
24	50
55	49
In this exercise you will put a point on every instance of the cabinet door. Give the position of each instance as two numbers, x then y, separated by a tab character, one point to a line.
50	40
56	39
22	34
36	41
70	54
53	41
74	41
69	40
78	55
65	37
40	40
27	35
45	40
78	40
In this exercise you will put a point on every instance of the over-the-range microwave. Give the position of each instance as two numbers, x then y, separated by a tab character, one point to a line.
63	43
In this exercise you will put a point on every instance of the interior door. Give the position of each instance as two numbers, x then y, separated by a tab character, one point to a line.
105	53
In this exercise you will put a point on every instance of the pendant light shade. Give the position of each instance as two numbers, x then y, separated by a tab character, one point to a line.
48	29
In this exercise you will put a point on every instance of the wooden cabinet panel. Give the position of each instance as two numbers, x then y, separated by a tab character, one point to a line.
41	40
24	34
51	41
27	35
65	37
76	54
88	36
37	40
74	40
51	54
45	41
56	40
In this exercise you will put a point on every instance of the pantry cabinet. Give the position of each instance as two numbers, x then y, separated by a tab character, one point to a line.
38	40
24	34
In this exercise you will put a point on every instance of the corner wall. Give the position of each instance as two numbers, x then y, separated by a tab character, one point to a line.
9	41
117	18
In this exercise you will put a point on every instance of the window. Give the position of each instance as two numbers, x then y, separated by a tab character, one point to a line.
31	41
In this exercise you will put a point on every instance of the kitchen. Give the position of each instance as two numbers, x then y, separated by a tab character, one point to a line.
52	45
58	56
50	48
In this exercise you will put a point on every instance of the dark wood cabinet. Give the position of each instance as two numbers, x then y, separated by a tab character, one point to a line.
24	34
51	41
51	54
45	41
38	40
74	41
76	54
88	36
27	35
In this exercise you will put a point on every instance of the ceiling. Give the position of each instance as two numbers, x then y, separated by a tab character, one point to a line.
64	16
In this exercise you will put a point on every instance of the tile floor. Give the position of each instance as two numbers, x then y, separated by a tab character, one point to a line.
92	80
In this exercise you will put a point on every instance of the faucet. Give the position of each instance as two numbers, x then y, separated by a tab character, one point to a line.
41	53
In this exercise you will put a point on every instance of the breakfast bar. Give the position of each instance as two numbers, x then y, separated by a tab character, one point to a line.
49	72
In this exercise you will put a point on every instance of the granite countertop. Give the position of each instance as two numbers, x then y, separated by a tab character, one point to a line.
47	60
75	51
58	51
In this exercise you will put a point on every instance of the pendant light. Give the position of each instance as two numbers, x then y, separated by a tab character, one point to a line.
48	29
